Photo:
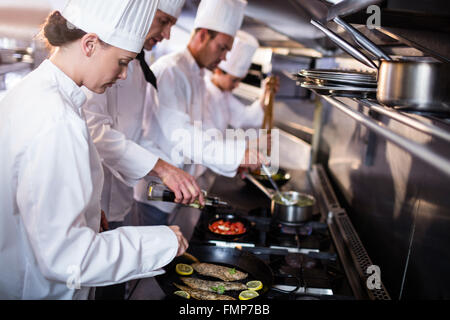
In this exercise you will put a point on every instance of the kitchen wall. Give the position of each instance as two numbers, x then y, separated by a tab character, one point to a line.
399	205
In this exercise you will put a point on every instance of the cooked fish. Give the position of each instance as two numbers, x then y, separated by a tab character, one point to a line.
213	286
223	273
202	294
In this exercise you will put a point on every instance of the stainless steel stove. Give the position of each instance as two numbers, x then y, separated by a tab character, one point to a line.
304	259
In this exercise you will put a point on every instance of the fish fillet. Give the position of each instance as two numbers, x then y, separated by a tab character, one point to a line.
203	295
213	286
223	273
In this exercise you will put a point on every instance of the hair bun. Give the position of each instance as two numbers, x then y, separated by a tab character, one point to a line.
57	31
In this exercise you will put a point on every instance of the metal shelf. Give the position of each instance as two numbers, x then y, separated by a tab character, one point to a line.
406	119
420	151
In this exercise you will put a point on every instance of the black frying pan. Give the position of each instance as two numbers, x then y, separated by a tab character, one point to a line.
233	258
281	178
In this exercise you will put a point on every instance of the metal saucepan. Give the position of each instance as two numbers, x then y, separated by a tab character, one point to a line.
419	85
244	261
293	214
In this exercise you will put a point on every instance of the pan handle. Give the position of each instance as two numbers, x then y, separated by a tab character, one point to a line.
258	184
347	47
293	291
362	40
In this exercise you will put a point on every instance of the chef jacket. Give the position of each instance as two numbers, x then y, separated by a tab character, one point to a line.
52	178
226	110
115	122
180	111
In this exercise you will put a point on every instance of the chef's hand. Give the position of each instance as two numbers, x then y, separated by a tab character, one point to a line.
181	183
182	242
241	172
103	222
253	160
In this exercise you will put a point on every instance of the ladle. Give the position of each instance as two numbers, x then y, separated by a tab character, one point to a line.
269	176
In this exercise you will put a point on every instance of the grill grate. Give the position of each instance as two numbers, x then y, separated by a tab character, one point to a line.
359	254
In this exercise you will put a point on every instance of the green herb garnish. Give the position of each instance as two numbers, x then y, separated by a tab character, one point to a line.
219	289
232	271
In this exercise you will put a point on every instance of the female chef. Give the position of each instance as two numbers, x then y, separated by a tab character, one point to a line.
51	173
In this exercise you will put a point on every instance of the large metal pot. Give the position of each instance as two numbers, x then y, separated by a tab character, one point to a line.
419	85
416	85
290	215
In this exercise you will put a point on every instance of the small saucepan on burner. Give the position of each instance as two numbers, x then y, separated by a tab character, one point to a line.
298	208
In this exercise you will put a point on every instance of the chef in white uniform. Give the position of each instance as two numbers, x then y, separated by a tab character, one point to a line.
51	173
224	108
115	122
177	119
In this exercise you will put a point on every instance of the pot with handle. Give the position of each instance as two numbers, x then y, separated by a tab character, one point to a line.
419	85
294	214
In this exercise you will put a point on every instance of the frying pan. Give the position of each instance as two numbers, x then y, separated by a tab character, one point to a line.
281	178
244	261
231	218
420	85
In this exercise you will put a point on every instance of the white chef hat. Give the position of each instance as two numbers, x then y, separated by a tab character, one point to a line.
120	23
240	57
220	15
171	7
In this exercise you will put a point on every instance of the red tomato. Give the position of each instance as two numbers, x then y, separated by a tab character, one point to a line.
227	227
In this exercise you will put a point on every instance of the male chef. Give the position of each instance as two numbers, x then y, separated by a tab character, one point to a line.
177	119
224	109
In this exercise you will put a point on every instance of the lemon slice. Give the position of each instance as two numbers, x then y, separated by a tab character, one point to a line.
248	294
254	285
184	269
183	294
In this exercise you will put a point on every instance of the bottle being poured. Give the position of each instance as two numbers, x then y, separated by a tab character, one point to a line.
159	192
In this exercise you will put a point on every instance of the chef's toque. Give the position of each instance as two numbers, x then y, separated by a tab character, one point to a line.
120	23
220	15
240	57
171	7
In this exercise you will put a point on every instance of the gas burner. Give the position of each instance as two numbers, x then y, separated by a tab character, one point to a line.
301	230
299	260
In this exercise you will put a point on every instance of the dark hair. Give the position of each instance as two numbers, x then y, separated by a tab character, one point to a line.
57	31
211	33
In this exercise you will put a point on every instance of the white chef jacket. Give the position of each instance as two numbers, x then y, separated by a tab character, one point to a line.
226	110
180	104
115	123
50	200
